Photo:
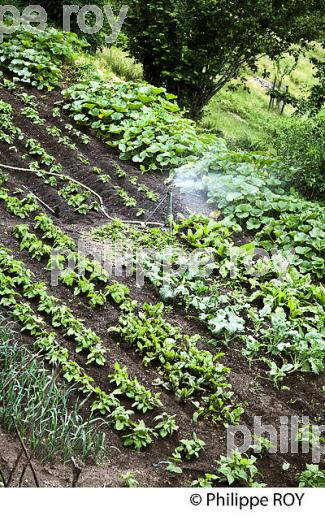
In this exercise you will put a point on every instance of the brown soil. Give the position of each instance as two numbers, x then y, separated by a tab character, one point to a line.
250	386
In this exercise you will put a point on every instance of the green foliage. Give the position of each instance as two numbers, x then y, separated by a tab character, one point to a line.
238	469
195	48
61	316
14	275
143	122
121	64
41	407
140	437
187	369
188	448
262	445
208	481
143	399
299	141
8	130
36	57
54	9
312	477
128	480
316	99
247	188
294	308
18	207
166	425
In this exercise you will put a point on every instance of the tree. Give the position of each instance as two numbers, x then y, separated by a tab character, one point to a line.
195	47
316	99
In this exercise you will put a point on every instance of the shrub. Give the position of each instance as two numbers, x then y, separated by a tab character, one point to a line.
300	142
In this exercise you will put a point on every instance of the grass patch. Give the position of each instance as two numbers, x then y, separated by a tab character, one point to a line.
243	116
120	63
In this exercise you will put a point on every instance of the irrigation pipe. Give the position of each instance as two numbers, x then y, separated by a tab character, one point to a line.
102	206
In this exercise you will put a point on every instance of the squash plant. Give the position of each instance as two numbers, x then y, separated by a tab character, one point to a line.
142	121
36	57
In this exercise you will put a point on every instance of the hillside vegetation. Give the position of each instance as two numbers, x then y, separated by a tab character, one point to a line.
211	312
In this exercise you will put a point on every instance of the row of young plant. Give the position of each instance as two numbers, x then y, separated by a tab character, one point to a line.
76	197
15	276
187	370
16	281
73	194
83	276
240	470
231	300
41	406
31	111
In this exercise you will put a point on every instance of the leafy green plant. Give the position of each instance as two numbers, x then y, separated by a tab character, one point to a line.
121	418
131	388
237	469
166	425
299	140
140	437
8	130
18	207
36	57
312	477
262	445
128	201
189	449
207	481
128	480
307	435
142	121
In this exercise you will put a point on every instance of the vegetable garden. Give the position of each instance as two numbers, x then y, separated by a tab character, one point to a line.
161	370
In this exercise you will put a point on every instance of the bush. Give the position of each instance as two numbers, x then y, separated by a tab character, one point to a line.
300	142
